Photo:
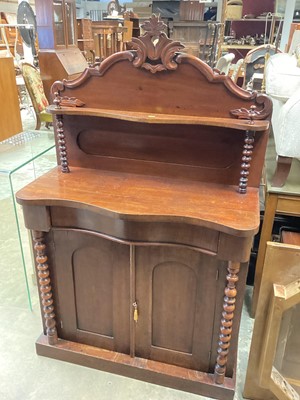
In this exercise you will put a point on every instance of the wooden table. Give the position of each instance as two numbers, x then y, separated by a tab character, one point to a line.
284	200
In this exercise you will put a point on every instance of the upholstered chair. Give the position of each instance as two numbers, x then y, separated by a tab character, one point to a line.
34	86
283	86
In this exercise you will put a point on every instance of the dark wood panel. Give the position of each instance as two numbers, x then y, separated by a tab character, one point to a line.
92	289
173	233
175	313
204	153
169	312
181	92
165	143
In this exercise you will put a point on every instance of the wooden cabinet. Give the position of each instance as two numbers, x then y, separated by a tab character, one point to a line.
59	56
150	217
56	23
10	116
85	39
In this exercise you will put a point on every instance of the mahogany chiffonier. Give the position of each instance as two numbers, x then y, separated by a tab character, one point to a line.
143	232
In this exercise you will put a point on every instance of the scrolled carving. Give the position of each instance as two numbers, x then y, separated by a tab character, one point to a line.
71	102
154	45
56	88
45	286
226	321
253	113
64	101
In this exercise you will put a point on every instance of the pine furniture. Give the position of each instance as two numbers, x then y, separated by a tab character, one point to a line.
143	232
10	116
283	200
274	368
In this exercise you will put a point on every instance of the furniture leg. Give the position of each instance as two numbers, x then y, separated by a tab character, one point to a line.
266	232
282	171
38	123
226	321
45	286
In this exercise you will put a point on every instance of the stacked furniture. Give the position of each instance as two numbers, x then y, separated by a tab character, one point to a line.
59	56
85	39
143	232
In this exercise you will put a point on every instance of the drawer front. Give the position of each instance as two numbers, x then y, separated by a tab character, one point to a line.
156	232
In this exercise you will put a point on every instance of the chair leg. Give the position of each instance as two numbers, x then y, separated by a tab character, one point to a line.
282	171
38	122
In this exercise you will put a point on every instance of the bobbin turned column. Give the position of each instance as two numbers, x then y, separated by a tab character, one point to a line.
45	286
246	161
226	321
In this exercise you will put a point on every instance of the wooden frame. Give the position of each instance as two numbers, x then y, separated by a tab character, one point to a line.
280	291
282	299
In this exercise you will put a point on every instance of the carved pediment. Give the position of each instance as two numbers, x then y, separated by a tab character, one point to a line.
155	51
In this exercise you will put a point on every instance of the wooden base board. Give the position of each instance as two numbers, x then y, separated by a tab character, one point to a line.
137	368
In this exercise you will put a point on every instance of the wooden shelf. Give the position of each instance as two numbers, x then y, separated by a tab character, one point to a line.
238	46
252	19
148	198
153	118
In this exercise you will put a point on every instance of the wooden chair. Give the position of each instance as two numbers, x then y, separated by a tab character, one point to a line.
34	86
237	70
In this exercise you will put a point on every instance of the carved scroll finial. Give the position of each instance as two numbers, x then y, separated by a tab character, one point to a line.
57	99
63	101
154	45
254	113
154	26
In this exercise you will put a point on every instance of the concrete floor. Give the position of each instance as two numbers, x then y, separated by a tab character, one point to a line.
23	374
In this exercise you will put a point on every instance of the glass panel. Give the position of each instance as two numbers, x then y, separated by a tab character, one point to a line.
70	23
24	157
58	23
287	360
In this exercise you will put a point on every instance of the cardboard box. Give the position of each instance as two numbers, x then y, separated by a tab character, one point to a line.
234	10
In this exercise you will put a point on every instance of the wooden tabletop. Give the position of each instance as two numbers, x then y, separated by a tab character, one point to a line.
148	198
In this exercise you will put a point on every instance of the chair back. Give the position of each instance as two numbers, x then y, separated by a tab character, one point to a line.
34	85
255	60
224	62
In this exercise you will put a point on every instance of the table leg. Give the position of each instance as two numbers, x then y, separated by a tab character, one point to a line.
266	234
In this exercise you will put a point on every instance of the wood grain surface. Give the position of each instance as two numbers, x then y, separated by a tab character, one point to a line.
147	198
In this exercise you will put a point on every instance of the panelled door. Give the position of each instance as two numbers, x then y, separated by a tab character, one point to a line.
175	296
91	286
